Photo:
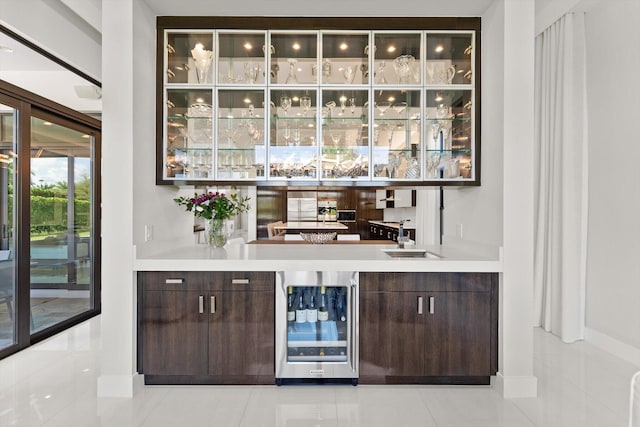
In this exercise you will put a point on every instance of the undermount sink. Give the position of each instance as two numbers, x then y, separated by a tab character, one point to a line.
410	253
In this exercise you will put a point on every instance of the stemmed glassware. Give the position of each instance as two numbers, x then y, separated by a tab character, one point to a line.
399	107
285	104
383	106
305	104
291	78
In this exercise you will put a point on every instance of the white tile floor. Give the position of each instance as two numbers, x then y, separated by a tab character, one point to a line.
54	384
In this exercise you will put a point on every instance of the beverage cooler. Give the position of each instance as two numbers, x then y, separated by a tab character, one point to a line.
316	326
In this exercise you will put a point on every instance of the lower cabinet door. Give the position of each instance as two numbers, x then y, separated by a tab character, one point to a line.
458	327
174	333
241	333
391	334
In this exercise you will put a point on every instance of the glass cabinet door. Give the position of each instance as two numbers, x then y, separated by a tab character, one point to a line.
189	130
345	58
294	58
345	142
241	57
449	134
240	134
293	149
449	59
397	58
189	57
397	135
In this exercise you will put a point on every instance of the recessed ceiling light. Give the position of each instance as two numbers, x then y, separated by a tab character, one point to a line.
296	46
344	46
6	49
391	48
439	48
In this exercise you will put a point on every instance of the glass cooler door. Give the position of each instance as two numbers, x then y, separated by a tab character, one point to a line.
316	325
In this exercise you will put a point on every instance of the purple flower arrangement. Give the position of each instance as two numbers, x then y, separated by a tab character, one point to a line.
214	205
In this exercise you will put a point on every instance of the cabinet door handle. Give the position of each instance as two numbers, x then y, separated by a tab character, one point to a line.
173	281
213	304
201	304
432	305
240	281
420	305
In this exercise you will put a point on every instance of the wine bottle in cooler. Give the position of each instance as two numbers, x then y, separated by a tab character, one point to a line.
291	310
301	310
312	310
323	309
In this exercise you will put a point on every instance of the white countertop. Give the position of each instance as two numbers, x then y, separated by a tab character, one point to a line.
311	225
334	257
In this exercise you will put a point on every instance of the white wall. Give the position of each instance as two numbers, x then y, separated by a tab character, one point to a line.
613	93
51	25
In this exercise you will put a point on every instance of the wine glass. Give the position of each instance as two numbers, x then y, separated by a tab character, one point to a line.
399	107
285	104
383	106
305	104
335	137
296	137
291	78
286	134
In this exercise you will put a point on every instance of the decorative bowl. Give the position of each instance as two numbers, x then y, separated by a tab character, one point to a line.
318	238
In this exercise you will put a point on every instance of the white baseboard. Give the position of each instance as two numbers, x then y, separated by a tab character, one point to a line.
115	385
611	345
512	386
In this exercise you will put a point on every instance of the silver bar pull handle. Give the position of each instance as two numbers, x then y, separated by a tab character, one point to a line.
420	305
213	304
240	281
432	305
173	281
201	304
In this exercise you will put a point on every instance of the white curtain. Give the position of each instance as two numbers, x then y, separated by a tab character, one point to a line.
561	178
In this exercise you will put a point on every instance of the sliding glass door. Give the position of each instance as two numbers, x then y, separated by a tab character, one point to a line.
61	228
8	335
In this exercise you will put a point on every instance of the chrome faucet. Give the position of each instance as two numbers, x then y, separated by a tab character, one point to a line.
401	238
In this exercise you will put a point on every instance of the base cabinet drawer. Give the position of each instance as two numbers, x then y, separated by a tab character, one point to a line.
442	333
220	333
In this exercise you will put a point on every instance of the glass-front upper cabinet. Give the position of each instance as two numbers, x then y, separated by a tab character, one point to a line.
397	58
241	57
318	104
397	135
294	58
293	147
345	58
345	134
241	150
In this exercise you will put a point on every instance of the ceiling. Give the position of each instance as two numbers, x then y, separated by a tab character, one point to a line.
320	8
29	70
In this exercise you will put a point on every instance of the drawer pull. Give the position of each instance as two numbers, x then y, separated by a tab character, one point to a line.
240	281
173	281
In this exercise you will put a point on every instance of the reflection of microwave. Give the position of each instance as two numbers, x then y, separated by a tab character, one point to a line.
347	215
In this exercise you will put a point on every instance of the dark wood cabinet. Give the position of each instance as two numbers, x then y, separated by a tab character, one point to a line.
428	327
206	327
